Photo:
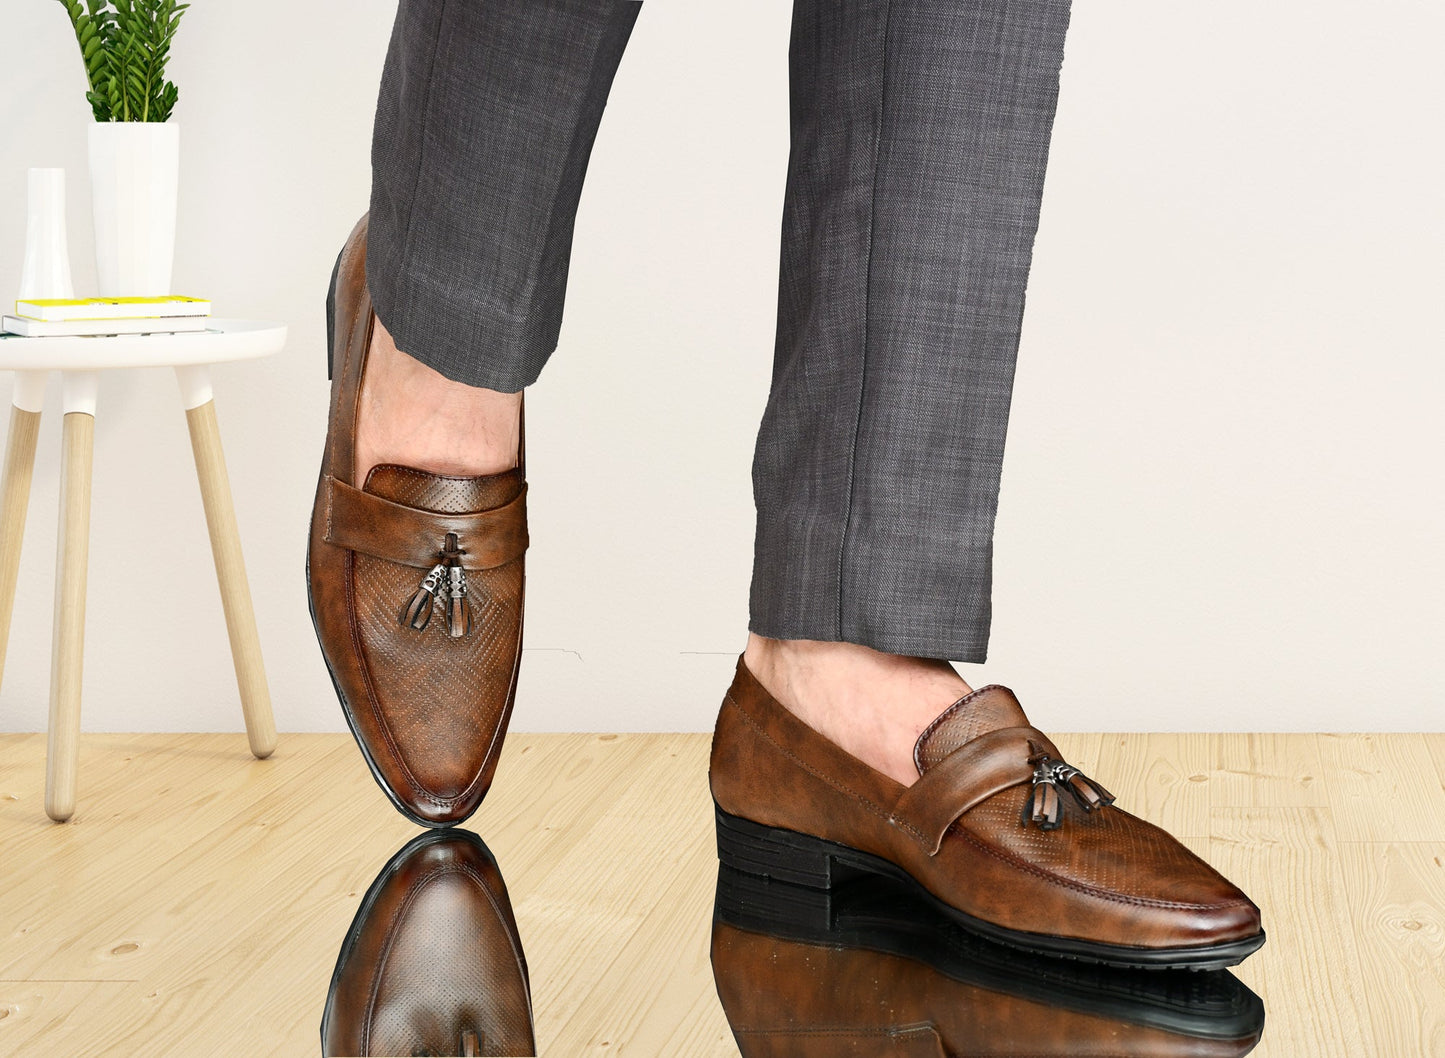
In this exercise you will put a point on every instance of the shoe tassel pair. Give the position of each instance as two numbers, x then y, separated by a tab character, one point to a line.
1044	806
446	582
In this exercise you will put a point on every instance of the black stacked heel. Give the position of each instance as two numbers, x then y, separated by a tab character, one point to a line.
798	859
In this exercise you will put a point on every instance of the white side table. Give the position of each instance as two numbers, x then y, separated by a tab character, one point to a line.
80	361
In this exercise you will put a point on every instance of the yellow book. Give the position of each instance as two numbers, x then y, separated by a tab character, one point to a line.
64	310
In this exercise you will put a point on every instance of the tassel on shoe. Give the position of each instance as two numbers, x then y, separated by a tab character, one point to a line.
1088	792
459	611
417	613
1044	806
447	582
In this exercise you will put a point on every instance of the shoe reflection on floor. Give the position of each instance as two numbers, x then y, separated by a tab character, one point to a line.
432	963
871	969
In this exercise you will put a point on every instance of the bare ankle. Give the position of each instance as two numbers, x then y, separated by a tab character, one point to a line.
413	415
872	704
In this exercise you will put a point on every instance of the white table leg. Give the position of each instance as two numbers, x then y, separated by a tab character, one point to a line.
27	401
72	556
215	483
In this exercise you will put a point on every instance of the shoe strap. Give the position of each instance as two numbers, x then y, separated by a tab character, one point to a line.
967	777
411	536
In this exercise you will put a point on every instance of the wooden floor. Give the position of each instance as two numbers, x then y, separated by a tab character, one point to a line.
195	903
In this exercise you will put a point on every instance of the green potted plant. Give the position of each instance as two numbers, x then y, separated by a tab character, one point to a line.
134	147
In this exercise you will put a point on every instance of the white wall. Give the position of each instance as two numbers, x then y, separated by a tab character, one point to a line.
1222	502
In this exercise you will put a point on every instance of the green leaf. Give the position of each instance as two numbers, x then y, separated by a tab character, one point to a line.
125	48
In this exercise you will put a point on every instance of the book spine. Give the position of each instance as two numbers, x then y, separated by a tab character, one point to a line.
137	309
86	328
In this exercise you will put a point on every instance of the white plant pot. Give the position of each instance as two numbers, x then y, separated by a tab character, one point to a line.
134	172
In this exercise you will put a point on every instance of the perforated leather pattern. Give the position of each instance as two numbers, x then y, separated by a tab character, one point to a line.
986	709
443	697
450	967
1106	849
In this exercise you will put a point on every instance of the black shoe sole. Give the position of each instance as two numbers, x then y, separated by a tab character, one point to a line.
816	863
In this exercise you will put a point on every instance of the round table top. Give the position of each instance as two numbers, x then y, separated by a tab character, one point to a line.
222	340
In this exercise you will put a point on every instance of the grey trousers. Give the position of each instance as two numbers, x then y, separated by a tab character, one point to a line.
920	136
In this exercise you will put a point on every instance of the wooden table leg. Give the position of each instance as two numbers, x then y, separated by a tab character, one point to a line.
28	399
72	556
230	566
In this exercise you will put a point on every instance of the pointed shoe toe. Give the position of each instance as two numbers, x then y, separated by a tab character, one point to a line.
433	962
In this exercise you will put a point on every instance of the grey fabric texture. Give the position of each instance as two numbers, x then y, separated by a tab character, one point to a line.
920	137
486	118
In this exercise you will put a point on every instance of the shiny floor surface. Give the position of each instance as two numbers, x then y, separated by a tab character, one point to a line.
196	903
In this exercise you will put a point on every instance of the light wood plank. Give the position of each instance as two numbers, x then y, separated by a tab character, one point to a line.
17	751
1435	743
1268	770
1383	788
1287	860
1163	777
550	790
1397	893
600	891
173	874
196	901
668	946
39	1017
1082	751
173	766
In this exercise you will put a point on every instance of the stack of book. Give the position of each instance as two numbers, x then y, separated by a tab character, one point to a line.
67	317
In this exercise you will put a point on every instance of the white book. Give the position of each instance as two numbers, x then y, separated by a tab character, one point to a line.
58	310
71	328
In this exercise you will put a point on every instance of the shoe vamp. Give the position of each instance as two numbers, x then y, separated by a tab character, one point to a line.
451	966
1107	850
440	698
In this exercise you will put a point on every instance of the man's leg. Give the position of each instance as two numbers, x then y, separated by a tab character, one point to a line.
844	743
486	119
446	301
920	137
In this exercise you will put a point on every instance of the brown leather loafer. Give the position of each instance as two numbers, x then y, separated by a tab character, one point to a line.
871	969
415	582
1002	834
432	963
